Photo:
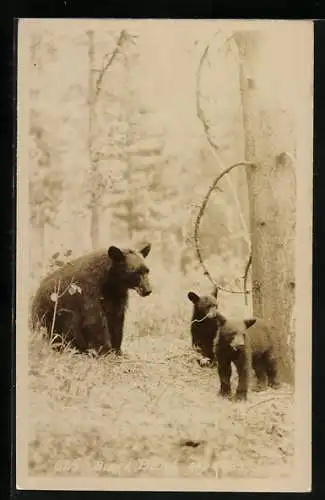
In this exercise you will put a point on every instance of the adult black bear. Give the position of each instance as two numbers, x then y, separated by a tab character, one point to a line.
245	343
89	297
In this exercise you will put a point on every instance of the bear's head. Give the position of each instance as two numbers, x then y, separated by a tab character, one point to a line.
129	268
205	306
231	332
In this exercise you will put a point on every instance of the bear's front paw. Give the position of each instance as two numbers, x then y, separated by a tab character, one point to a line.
203	362
224	394
240	396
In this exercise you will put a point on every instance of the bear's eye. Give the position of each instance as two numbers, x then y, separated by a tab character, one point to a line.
142	270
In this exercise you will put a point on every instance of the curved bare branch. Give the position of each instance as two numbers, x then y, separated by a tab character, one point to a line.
199	216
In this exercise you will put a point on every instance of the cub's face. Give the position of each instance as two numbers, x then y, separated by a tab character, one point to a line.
131	269
205	307
233	333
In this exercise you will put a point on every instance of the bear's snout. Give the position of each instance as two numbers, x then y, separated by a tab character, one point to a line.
143	286
238	342
143	292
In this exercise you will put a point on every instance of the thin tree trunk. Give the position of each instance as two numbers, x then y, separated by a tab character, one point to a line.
94	225
38	247
94	204
271	187
130	221
129	216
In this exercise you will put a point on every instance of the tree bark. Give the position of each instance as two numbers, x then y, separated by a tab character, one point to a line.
270	146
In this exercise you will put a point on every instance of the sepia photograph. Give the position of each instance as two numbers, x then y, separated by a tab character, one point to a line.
164	255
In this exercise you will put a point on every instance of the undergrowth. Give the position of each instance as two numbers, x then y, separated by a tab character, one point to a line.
153	411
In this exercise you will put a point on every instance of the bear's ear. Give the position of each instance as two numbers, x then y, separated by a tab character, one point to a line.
116	254
193	297
249	322
145	249
215	291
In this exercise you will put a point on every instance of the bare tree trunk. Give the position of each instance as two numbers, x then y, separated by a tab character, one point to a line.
94	225
129	217
38	248
272	195
94	203
96	76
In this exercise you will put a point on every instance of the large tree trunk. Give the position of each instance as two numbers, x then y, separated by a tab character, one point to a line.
272	195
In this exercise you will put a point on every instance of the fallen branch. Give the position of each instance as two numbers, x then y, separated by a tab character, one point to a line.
267	400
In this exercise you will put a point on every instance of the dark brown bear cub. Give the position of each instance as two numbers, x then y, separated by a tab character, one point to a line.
203	325
90	297
245	343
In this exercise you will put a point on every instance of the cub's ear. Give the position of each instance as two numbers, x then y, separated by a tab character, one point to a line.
193	297
215	291
249	322
116	254
145	249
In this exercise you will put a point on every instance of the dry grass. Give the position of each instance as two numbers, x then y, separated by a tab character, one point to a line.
153	412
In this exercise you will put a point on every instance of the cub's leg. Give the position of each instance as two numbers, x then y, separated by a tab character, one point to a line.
272	371
258	363
224	370
242	363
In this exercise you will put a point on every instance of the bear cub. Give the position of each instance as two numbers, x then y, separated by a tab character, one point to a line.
203	325
247	343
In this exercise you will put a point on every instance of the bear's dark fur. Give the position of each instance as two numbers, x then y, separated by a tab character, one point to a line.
203	325
92	297
249	343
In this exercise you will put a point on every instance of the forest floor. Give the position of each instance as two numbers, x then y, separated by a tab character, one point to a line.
152	412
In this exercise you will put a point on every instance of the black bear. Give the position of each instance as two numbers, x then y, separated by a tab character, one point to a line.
203	325
245	343
88	297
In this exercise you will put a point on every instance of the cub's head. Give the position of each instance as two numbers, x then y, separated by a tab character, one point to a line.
129	269
232	333
205	306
